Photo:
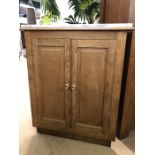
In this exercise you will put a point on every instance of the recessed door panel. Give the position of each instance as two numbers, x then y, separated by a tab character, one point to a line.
51	74
91	71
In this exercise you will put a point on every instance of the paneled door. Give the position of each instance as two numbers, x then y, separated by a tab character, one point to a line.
51	59
93	80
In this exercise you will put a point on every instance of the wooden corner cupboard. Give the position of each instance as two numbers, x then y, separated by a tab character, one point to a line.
75	74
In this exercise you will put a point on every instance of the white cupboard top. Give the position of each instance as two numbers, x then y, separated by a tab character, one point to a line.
121	26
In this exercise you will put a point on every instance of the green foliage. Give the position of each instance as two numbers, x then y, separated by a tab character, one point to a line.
50	10
50	6
71	20
48	19
87	10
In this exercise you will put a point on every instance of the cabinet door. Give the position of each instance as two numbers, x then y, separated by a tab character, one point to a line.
96	75
51	59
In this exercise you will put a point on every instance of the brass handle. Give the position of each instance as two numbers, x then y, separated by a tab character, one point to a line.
73	86
67	86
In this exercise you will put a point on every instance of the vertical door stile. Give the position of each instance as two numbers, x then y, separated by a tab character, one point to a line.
74	82
67	82
108	87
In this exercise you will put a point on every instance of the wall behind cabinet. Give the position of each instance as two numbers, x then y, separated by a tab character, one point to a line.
114	11
123	11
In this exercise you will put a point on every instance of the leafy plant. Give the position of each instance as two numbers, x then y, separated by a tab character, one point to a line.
46	19
71	20
87	10
50	7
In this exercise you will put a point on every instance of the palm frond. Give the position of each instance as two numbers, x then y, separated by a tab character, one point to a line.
71	20
87	10
74	4
50	6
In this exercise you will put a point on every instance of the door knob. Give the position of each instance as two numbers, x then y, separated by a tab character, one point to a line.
67	86
73	86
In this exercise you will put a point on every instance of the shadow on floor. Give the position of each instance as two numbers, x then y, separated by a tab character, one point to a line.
41	144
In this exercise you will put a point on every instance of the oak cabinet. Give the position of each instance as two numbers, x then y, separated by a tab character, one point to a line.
75	79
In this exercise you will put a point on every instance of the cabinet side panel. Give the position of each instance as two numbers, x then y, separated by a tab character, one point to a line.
126	111
29	56
120	52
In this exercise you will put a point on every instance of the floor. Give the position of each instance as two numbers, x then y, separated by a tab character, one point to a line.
32	143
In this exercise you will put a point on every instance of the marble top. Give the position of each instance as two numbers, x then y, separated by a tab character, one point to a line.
121	26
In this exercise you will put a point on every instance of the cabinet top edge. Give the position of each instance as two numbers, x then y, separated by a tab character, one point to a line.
115	27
